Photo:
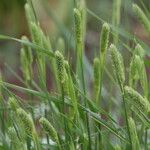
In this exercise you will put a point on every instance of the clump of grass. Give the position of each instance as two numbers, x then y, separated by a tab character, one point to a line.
80	117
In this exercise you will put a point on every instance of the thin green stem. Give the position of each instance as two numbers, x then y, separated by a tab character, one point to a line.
126	112
85	103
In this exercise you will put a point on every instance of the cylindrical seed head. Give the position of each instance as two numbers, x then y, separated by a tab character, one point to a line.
26	121
136	100
104	39
49	129
118	66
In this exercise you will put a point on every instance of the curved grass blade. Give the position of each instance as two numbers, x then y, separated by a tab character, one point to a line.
27	43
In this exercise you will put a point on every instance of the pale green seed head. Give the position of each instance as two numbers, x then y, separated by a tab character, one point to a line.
104	39
13	104
136	100
78	25
116	12
28	50
49	129
26	121
134	138
25	64
60	66
96	69
36	34
118	66
13	135
29	13
134	68
139	51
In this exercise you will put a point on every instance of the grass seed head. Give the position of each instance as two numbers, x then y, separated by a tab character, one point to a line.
134	70
26	121
13	104
29	13
13	135
139	51
49	129
135	99
118	66
60	66
104	39
78	25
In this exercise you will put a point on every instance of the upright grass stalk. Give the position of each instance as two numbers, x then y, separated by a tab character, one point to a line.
118	67
62	77
79	32
98	72
104	39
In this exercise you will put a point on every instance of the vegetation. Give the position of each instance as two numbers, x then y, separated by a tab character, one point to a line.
73	114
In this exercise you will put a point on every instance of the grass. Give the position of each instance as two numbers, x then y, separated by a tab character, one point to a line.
73	114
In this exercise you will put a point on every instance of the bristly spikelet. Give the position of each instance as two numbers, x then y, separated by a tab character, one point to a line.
81	5
143	78
116	18
60	66
49	129
136	100
78	30
12	134
142	17
134	70
134	138
36	34
13	104
139	51
96	69
116	12
28	50
26	60
118	66
29	13
26	121
104	39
